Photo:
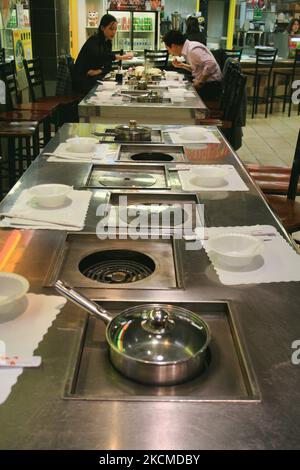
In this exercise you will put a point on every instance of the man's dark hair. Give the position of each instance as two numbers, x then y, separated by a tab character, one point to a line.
174	37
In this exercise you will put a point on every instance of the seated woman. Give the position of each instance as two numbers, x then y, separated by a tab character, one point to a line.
95	58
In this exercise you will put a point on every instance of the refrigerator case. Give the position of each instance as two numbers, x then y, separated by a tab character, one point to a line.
137	30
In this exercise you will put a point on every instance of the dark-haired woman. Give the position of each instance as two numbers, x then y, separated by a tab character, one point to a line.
294	27
95	58
193	32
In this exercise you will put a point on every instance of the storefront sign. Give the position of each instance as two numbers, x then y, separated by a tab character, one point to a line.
22	46
135	5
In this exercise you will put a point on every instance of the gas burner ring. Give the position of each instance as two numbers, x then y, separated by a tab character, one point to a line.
117	266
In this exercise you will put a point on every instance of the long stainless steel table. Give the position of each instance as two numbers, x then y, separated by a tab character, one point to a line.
145	113
36	416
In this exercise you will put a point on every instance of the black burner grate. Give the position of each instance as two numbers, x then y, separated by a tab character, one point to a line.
152	156
117	266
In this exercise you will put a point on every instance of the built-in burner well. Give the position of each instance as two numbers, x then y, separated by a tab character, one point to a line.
85	261
152	157
117	266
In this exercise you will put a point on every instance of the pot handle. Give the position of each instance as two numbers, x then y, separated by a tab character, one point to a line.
82	301
158	321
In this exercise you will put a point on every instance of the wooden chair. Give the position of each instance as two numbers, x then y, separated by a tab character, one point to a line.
289	76
15	112
37	89
22	147
285	206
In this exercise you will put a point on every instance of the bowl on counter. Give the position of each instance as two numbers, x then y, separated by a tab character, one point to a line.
50	195
192	132
235	249
13	288
209	177
82	144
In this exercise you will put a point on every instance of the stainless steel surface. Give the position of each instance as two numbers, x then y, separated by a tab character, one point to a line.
70	261
109	136
154	344
149	153
129	177
165	112
227	375
266	318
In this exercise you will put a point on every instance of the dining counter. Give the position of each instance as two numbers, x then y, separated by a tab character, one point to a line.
41	413
94	108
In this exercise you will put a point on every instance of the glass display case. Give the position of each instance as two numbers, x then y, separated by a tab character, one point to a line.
15	31
137	30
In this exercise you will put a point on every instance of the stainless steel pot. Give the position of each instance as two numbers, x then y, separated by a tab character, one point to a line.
154	344
132	132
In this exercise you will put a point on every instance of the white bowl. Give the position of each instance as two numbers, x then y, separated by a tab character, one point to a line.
50	195
176	91
235	249
108	85
82	144
171	75
192	132
12	288
209	177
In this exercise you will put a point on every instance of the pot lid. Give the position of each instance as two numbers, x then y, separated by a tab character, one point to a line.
132	128
158	334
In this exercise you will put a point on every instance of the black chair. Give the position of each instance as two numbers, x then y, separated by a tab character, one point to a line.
2	55
265	59
288	76
15	111
37	90
229	118
234	54
286	207
158	59
21	148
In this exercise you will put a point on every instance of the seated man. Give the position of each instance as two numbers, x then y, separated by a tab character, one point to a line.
200	61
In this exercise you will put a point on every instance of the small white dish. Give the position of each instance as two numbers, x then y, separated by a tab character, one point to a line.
50	195
192	132
108	85
12	288
209	177
235	249
82	144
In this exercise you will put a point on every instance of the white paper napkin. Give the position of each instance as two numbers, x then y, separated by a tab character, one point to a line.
233	181
278	262
23	334
206	137
24	214
103	151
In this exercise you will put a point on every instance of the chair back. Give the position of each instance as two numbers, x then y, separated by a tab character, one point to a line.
64	76
158	58
229	67
234	54
296	65
234	99
292	190
2	55
8	75
265	59
35	77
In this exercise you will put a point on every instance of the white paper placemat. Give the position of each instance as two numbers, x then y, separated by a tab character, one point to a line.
103	152
279	262
24	214
206	138
23	334
233	181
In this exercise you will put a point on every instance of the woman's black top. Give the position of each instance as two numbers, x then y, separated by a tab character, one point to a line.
197	36
96	53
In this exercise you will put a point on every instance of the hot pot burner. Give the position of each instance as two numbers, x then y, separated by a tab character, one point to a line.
152	156
117	266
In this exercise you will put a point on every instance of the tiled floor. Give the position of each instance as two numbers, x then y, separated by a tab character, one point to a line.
271	140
